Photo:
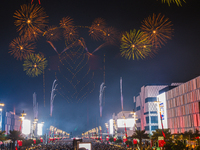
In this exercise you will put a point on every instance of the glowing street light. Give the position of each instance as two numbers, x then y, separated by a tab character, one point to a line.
159	110
22	119
34	127
1	109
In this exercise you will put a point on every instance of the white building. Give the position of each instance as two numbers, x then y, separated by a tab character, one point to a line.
146	108
119	122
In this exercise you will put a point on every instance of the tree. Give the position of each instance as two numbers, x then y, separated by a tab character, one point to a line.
111	139
140	134
188	135
197	134
130	143
169	145
179	145
158	133
2	136
14	136
118	141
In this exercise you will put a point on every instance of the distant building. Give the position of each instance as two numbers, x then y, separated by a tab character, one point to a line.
121	121
11	121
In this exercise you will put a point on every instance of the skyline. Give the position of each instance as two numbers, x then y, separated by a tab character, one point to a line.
177	61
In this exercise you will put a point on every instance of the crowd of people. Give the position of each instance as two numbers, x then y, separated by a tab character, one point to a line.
69	146
103	146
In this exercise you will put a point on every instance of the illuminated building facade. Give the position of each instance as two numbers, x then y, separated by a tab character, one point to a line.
121	121
146	108
11	121
183	107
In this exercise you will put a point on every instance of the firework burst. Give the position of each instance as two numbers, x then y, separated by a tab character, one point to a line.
67	22
178	2
96	29
110	35
158	29
70	34
34	64
135	45
30	19
52	34
21	47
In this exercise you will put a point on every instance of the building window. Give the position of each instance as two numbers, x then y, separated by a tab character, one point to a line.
150	99
138	108
146	128
153	112
138	121
138	128
154	119
154	127
146	113
147	119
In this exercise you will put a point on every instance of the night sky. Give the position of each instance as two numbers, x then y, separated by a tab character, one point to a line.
177	61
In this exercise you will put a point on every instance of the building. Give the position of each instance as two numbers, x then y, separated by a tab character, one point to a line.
146	108
181	107
11	121
119	122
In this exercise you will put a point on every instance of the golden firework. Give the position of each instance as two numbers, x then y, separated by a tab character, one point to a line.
178	2
31	19
21	47
70	34
52	33
110	35
158	29
96	29
67	22
34	64
135	45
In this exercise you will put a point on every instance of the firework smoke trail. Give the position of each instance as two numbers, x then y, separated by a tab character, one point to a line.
52	96
121	92
102	87
35	106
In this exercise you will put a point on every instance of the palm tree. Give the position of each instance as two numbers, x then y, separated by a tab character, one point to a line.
140	134
14	136
2	136
158	133
179	145
188	135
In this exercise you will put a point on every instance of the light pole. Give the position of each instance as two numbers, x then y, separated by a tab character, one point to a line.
106	124
22	119
134	116
35	127
1	109
159	110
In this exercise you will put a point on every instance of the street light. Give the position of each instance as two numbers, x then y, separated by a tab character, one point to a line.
106	124
34	127
134	116
159	110
22	118
1	109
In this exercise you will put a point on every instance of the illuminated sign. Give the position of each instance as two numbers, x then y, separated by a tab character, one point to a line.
26	127
87	146
129	122
162	107
39	129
